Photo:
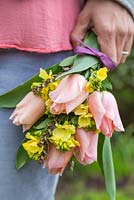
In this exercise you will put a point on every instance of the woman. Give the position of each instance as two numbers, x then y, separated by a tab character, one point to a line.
36	34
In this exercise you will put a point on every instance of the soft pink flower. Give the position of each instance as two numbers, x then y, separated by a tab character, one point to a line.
57	161
57	108
28	111
86	153
69	94
104	108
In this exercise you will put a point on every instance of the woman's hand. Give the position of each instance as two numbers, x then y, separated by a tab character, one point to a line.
112	24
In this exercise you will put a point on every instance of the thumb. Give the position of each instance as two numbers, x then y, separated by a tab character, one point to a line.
83	24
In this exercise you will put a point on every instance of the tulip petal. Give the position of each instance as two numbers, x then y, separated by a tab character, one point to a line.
96	107
68	89
76	102
87	152
33	111
56	161
28	111
57	109
28	98
16	121
107	127
110	105
14	114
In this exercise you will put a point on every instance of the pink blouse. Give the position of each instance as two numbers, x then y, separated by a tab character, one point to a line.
37	25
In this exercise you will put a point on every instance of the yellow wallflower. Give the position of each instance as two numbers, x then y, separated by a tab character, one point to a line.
44	93
95	80
82	109
84	120
102	73
47	104
44	75
35	84
31	146
66	145
53	85
62	137
89	87
37	133
45	90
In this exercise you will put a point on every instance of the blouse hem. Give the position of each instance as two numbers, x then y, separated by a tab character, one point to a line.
38	50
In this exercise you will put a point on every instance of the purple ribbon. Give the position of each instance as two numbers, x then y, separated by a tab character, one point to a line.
85	49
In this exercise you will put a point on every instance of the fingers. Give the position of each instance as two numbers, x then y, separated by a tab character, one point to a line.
82	26
120	42
124	40
127	47
115	39
113	43
107	42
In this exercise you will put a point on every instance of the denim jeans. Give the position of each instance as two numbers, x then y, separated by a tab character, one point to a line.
32	182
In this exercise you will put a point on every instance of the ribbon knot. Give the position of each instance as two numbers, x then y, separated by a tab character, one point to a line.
85	49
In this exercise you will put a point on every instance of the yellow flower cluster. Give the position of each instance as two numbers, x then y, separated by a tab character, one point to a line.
51	85
85	118
44	88
63	137
82	109
44	75
102	73
32	147
96	79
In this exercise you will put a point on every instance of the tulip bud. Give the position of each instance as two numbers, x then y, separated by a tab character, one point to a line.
28	111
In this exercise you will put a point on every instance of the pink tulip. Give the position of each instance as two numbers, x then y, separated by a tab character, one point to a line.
86	153
28	111
57	108
104	108
57	161
69	94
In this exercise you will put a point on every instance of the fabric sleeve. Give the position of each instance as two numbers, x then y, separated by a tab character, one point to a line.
128	4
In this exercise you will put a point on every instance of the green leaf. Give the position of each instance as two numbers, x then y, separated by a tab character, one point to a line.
44	123
100	150
91	40
106	84
74	120
108	168
105	161
21	157
11	98
54	68
86	74
67	61
84	62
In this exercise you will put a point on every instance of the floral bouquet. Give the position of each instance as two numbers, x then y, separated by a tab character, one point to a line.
67	113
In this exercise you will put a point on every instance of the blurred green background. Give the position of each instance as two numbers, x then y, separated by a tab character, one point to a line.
87	182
